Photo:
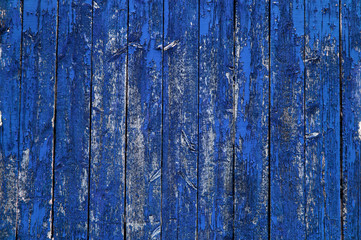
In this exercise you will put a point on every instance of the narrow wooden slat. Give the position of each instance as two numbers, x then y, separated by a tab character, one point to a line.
108	119
72	120
143	196
351	118
322	156
287	122
10	41
252	120
180	122
37	111
215	181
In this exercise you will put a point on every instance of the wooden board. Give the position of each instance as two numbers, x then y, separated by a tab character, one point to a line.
10	43
286	121
351	118
251	197
108	118
322	120
144	122
36	119
180	120
72	120
216	120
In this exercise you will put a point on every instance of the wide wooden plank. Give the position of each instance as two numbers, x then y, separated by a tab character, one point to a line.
37	112
72	120
10	41
144	139
252	120
351	118
216	131
287	122
108	119
322	119
180	120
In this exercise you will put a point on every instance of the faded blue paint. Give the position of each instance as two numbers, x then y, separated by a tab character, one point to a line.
37	111
72	119
10	41
351	118
144	131
216	120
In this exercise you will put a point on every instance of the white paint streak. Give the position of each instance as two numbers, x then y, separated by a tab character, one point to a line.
359	130
171	45
1	122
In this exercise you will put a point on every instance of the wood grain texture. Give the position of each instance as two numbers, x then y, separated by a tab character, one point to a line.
143	196
322	119
107	183
180	123
216	121
72	120
287	121
10	41
252	109
37	111
351	116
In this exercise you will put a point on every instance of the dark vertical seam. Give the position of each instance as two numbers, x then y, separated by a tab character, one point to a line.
90	117
234	119
162	130
341	119
304	116
54	120
126	127
269	121
19	115
198	118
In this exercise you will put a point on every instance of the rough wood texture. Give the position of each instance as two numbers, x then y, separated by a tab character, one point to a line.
180	123
322	119
72	120
252	102
216	131
144	139
37	111
108	119
287	121
351	116
10	41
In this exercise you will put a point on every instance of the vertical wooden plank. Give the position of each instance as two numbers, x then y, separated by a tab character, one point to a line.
180	120
322	89
252	120
108	119
351	118
10	41
72	120
287	122
215	209
37	111
143	196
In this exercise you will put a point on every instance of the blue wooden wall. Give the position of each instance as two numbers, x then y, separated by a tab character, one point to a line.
180	119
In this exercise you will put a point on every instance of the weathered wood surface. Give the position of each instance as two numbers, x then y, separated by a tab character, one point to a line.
180	120
322	120
216	120
200	119
71	165
287	212
10	43
144	122
351	118
108	119
36	119
252	120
